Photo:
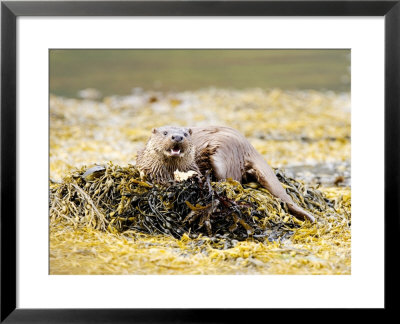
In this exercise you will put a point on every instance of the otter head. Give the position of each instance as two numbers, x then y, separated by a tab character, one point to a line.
173	142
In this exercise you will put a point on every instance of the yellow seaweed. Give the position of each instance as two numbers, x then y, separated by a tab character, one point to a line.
277	124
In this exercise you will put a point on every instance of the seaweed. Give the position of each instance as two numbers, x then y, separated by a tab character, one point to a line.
115	198
305	132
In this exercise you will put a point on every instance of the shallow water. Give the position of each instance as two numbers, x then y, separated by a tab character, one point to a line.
327	174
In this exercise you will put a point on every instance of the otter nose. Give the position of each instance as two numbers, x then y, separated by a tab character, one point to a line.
177	138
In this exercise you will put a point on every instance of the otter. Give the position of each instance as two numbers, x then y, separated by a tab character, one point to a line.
218	148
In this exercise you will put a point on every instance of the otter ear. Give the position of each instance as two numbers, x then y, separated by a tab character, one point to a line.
190	131
154	130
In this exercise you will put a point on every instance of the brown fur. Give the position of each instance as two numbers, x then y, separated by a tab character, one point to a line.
155	163
222	149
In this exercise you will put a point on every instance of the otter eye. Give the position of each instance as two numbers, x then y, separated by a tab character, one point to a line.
165	133
186	135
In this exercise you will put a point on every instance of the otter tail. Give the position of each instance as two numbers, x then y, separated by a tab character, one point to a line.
267	178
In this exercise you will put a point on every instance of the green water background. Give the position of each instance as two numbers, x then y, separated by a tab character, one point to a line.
117	72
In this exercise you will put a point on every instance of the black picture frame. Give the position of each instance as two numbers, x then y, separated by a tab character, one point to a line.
10	10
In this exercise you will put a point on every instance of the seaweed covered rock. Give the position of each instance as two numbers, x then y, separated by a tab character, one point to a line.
115	198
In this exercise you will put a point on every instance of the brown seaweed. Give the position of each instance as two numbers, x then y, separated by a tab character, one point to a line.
115	198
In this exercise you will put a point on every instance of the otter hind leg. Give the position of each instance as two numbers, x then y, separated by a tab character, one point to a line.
225	165
267	178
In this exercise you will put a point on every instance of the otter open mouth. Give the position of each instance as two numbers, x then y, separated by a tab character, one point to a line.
175	151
